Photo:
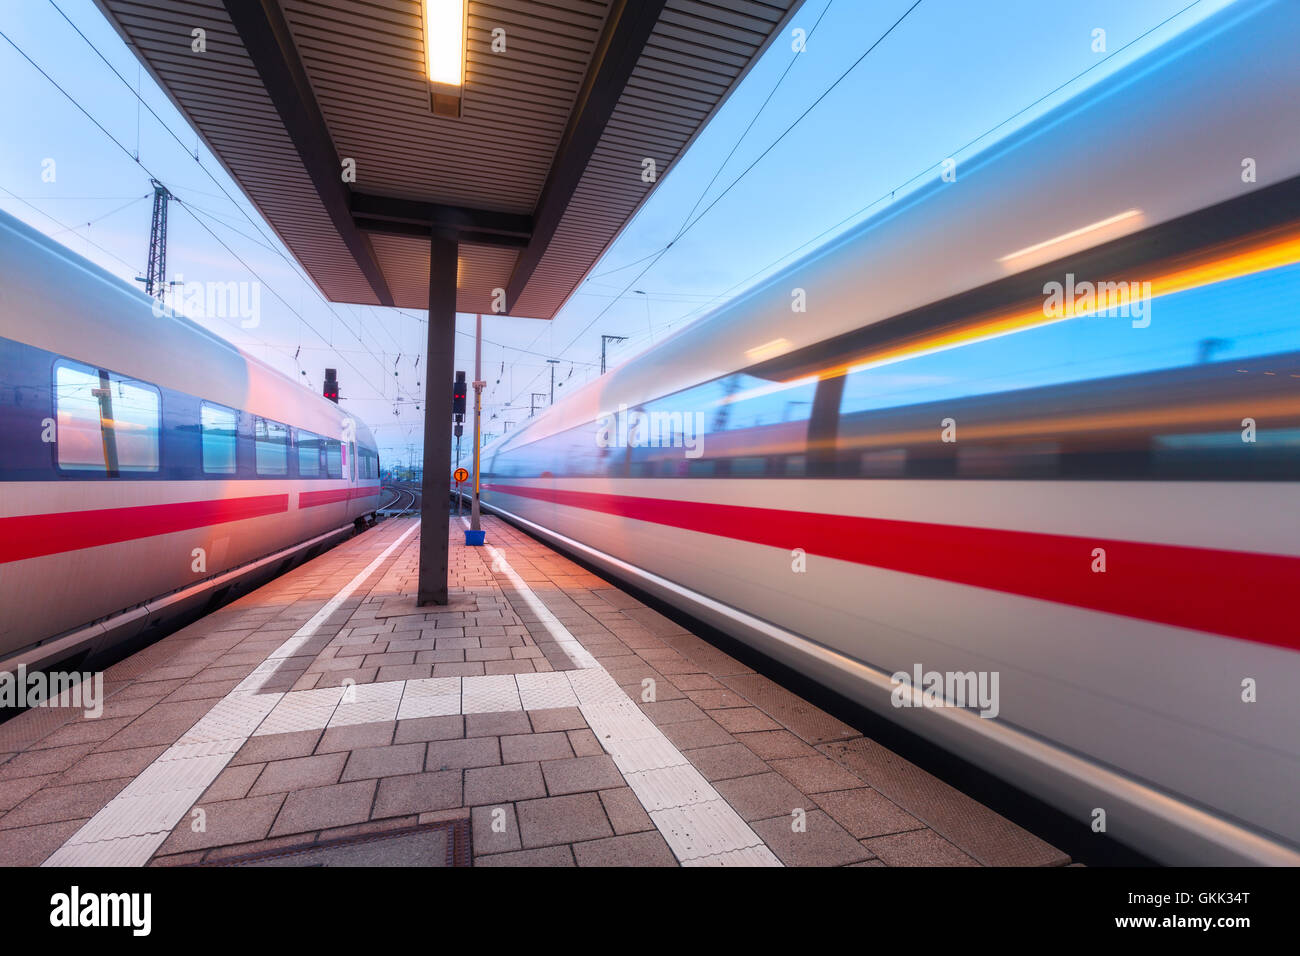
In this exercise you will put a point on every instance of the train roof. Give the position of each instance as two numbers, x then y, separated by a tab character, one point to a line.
1188	130
55	299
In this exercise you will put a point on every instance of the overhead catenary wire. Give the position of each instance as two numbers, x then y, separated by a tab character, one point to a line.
102	217
829	230
689	222
194	214
65	227
275	293
150	173
140	100
745	282
224	192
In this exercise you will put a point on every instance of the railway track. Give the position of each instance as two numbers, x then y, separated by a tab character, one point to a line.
404	501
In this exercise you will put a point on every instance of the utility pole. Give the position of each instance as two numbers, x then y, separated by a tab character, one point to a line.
605	340
554	362
155	277
532	408
478	416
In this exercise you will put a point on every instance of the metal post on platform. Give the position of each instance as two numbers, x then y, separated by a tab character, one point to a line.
478	415
459	428
440	367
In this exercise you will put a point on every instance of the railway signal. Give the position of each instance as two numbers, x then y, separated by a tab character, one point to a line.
458	392
331	389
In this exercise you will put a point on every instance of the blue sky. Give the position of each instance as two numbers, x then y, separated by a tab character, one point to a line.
953	71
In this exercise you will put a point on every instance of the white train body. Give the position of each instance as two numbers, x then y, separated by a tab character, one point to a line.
836	520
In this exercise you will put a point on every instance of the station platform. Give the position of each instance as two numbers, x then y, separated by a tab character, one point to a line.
543	717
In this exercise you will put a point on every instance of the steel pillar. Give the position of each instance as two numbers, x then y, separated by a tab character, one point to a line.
435	506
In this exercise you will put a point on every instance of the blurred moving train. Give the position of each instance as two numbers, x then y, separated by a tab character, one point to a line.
150	469
985	472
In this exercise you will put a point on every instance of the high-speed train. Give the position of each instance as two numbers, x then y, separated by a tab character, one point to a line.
1038	422
149	468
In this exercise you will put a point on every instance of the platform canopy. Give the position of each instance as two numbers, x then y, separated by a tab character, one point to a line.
533	163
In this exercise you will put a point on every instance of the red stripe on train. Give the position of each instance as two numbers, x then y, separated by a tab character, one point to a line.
310	499
31	536
1239	594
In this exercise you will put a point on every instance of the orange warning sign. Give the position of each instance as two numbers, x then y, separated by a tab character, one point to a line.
460	474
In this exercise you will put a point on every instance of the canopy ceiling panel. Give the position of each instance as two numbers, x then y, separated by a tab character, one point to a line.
535	178
366	64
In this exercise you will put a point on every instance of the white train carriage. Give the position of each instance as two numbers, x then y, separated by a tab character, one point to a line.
149	468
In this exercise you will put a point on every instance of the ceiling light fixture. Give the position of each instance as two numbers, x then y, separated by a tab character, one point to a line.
445	28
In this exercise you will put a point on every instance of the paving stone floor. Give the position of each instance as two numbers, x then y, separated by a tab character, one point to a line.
569	722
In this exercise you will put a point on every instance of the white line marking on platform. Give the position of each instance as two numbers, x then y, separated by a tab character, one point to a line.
569	644
700	827
131	827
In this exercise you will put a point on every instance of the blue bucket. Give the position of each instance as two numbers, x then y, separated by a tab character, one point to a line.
474	537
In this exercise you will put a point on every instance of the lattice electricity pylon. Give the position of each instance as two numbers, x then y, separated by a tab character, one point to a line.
605	340
155	278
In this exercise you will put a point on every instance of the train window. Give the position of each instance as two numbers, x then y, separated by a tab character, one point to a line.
751	421
749	466
308	455
106	423
352	454
80	438
271	442
219	427
333	458
883	463
1147	389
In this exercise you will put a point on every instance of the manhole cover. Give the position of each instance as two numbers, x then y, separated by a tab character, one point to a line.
432	844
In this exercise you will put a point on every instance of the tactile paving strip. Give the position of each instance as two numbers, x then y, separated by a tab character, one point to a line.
130	828
543	691
700	827
697	823
430	697
704	830
368	704
565	644
486	695
301	710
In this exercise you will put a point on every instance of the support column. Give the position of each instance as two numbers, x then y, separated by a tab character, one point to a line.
435	505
